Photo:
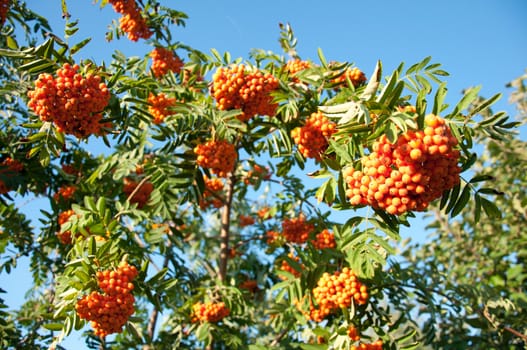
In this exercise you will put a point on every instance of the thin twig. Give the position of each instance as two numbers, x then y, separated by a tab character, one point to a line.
498	325
150	330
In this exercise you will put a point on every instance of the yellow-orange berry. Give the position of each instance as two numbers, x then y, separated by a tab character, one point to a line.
312	138
218	155
337	291
159	106
65	236
71	101
297	230
408	174
234	88
165	60
324	240
209	312
65	193
212	195
296	65
109	311
355	75
132	22
353	333
284	266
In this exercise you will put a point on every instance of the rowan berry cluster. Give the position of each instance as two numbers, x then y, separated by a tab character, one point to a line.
296	65
212	193
297	230
377	345
159	106
284	266
353	333
71	101
110	310
140	195
355	75
218	155
409	174
131	21
272	237
65	193
3	187
70	170
324	240
4	9
312	137
65	236
256	174
209	312
9	167
264	213
164	60
118	281
234	88
250	285
246	220
337	291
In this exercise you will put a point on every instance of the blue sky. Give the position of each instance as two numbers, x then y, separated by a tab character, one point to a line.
478	43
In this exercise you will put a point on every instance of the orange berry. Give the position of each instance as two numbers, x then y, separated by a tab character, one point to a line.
72	102
218	155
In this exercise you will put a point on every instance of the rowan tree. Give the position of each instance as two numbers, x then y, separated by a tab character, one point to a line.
197	226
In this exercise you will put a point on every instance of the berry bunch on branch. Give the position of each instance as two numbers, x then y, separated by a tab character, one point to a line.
337	291
165	60
159	106
138	192
312	138
408	174
9	168
72	101
132	21
249	90
109	311
217	155
209	312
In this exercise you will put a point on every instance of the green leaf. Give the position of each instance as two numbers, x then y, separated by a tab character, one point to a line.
53	326
322	58
341	151
490	209
79	46
470	95
485	104
406	337
439	99
481	177
203	331
11	43
461	202
313	346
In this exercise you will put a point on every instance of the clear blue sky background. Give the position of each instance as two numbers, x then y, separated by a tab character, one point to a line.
479	42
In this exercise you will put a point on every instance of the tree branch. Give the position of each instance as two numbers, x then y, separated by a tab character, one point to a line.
150	330
225	228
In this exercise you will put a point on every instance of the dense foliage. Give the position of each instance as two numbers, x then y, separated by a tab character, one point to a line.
208	220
